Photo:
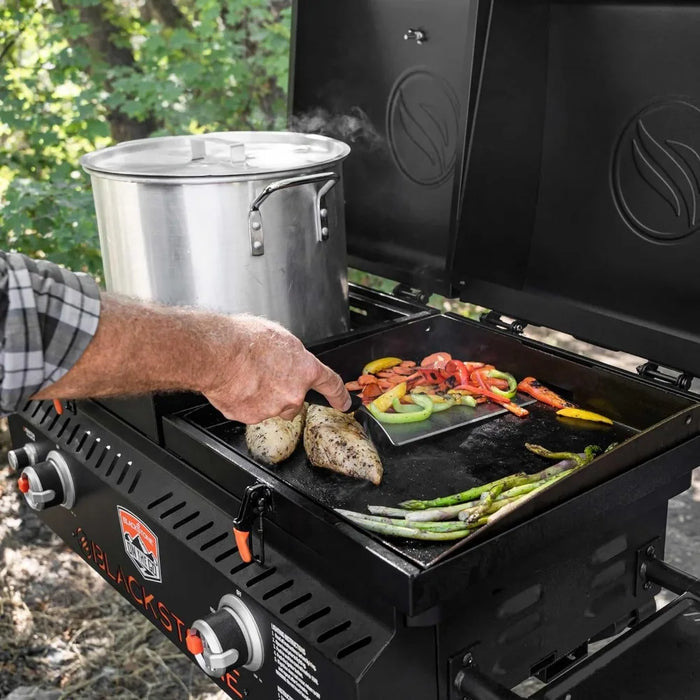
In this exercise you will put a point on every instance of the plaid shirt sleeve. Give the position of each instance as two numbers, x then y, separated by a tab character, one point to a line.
48	316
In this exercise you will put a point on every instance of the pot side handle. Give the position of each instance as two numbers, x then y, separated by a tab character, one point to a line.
255	224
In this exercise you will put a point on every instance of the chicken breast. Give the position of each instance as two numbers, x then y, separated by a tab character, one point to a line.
336	441
274	439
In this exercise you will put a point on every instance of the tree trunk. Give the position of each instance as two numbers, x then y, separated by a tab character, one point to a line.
107	43
168	13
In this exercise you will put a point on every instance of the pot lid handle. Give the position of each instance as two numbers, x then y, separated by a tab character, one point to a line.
217	150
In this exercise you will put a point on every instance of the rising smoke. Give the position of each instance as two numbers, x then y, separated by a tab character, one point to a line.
354	128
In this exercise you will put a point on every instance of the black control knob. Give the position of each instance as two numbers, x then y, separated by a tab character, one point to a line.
48	483
226	639
22	457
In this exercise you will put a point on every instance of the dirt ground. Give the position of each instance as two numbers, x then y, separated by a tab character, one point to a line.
64	633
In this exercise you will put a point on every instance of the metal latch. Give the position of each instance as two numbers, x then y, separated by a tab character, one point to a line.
257	500
679	379
415	296
495	320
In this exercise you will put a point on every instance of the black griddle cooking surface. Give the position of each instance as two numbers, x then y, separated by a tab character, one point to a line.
445	464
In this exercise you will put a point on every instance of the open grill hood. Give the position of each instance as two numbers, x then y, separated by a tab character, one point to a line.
537	158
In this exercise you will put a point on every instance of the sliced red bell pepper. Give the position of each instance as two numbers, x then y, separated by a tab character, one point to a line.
434	376
458	370
502	400
538	391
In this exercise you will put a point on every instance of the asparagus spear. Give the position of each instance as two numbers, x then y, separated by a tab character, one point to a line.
519	502
486	500
450	512
410	532
438	526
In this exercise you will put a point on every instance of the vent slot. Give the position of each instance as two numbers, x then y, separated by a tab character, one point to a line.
173	509
261	577
134	481
90	452
53	422
160	500
86	435
49	411
62	429
333	631
36	409
352	648
74	432
26	406
185	520
225	555
295	603
113	463
122	476
313	617
101	458
200	530
239	567
213	541
278	589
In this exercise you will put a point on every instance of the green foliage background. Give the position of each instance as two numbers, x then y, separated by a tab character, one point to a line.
76	75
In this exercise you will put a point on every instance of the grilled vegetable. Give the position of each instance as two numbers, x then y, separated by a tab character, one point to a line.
336	441
381	364
583	415
538	391
424	402
275	439
383	402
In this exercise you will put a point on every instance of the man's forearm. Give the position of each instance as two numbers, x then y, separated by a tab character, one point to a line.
139	347
248	367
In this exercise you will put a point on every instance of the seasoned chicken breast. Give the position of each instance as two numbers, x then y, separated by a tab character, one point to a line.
336	441
274	439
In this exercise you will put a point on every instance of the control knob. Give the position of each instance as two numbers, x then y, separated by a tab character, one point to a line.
22	457
226	639
48	483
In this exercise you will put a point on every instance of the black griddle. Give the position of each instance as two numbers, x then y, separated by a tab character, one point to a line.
468	456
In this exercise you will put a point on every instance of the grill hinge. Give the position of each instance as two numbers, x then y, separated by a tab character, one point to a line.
662	375
406	293
495	320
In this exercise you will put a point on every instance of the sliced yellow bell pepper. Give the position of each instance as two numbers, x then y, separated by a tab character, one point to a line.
383	402
583	415
380	364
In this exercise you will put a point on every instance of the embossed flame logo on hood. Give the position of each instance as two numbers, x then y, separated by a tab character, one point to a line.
656	171
422	126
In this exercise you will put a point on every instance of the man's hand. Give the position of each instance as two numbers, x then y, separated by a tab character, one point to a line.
263	370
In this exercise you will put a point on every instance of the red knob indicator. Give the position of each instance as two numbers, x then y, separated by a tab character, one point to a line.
194	643
23	483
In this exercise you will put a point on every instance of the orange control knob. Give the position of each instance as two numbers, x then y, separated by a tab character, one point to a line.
23	483
194	643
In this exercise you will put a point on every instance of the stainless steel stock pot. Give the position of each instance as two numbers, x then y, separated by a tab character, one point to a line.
231	221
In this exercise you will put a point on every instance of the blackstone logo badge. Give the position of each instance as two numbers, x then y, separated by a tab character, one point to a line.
422	126
656	171
141	544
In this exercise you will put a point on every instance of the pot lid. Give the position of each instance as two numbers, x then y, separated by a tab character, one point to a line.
232	154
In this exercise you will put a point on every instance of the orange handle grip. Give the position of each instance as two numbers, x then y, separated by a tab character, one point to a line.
243	545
